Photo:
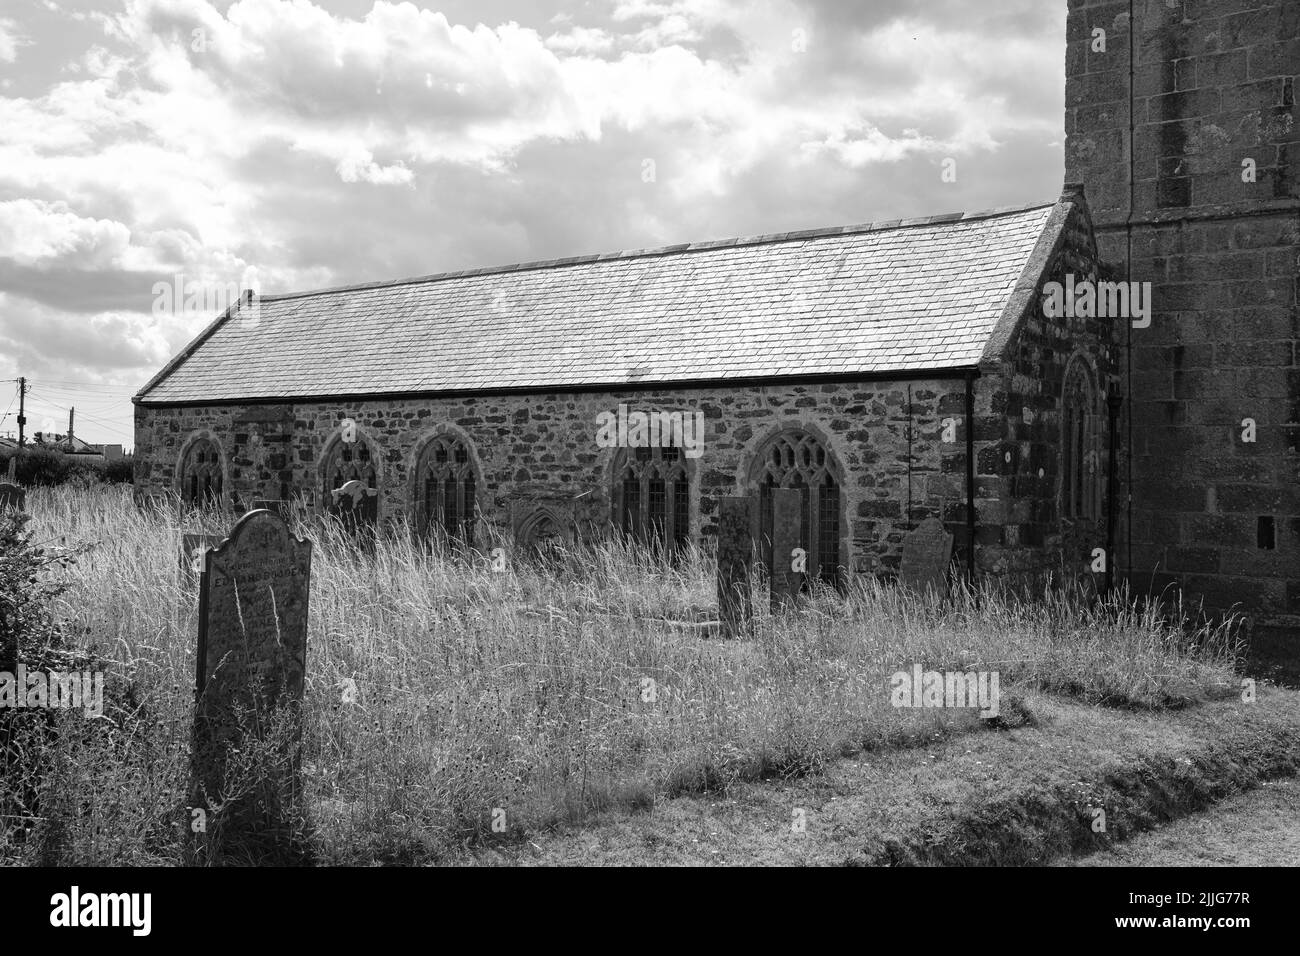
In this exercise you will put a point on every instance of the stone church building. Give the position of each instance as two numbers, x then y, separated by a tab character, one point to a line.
892	372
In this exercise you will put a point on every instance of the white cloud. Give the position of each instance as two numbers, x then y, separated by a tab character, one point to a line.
586	40
41	234
361	166
10	40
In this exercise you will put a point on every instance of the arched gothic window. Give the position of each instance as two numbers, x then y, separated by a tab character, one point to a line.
445	489
652	496
1080	445
351	483
201	473
795	459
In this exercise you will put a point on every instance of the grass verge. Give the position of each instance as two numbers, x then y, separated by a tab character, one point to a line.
1024	796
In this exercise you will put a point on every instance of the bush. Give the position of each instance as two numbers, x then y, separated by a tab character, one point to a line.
56	763
29	635
44	466
27	627
121	471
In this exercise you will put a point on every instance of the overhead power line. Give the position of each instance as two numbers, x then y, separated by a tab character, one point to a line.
110	426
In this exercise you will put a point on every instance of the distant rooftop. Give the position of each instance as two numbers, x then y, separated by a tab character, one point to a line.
906	296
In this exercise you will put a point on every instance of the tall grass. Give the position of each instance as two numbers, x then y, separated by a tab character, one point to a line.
444	696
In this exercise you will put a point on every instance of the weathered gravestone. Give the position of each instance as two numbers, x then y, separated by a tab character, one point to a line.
355	504
193	547
787	539
735	562
251	664
12	496
543	525
927	552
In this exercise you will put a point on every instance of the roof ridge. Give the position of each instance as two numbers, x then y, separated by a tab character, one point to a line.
753	240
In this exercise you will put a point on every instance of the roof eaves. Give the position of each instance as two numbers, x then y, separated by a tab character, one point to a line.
901	371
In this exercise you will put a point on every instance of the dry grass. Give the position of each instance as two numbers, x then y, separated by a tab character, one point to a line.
526	692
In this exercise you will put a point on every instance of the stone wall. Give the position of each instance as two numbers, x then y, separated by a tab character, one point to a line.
888	438
1213	87
1019	419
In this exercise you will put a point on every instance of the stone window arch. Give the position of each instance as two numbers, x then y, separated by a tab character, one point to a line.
446	488
796	458
1080	443
652	496
201	480
351	482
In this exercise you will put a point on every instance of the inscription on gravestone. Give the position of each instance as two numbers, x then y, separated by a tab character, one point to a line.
12	496
735	561
927	552
251	664
787	535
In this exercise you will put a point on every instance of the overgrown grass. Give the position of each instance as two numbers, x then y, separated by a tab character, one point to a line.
534	695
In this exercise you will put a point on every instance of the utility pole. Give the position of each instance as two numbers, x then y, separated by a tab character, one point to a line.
22	419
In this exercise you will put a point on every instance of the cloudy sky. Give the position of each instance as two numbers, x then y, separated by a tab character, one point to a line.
290	144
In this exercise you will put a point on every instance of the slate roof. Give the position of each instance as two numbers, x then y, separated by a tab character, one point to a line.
908	297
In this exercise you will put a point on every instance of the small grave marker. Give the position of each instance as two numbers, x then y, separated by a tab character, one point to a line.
12	496
355	504
735	561
787	535
927	552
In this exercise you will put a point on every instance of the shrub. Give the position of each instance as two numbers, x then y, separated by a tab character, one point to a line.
47	467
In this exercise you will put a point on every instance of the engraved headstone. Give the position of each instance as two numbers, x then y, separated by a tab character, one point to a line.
250	670
927	552
12	496
735	561
787	537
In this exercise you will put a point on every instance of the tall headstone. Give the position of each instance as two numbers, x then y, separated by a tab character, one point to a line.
787	539
735	562
927	552
250	670
12	496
